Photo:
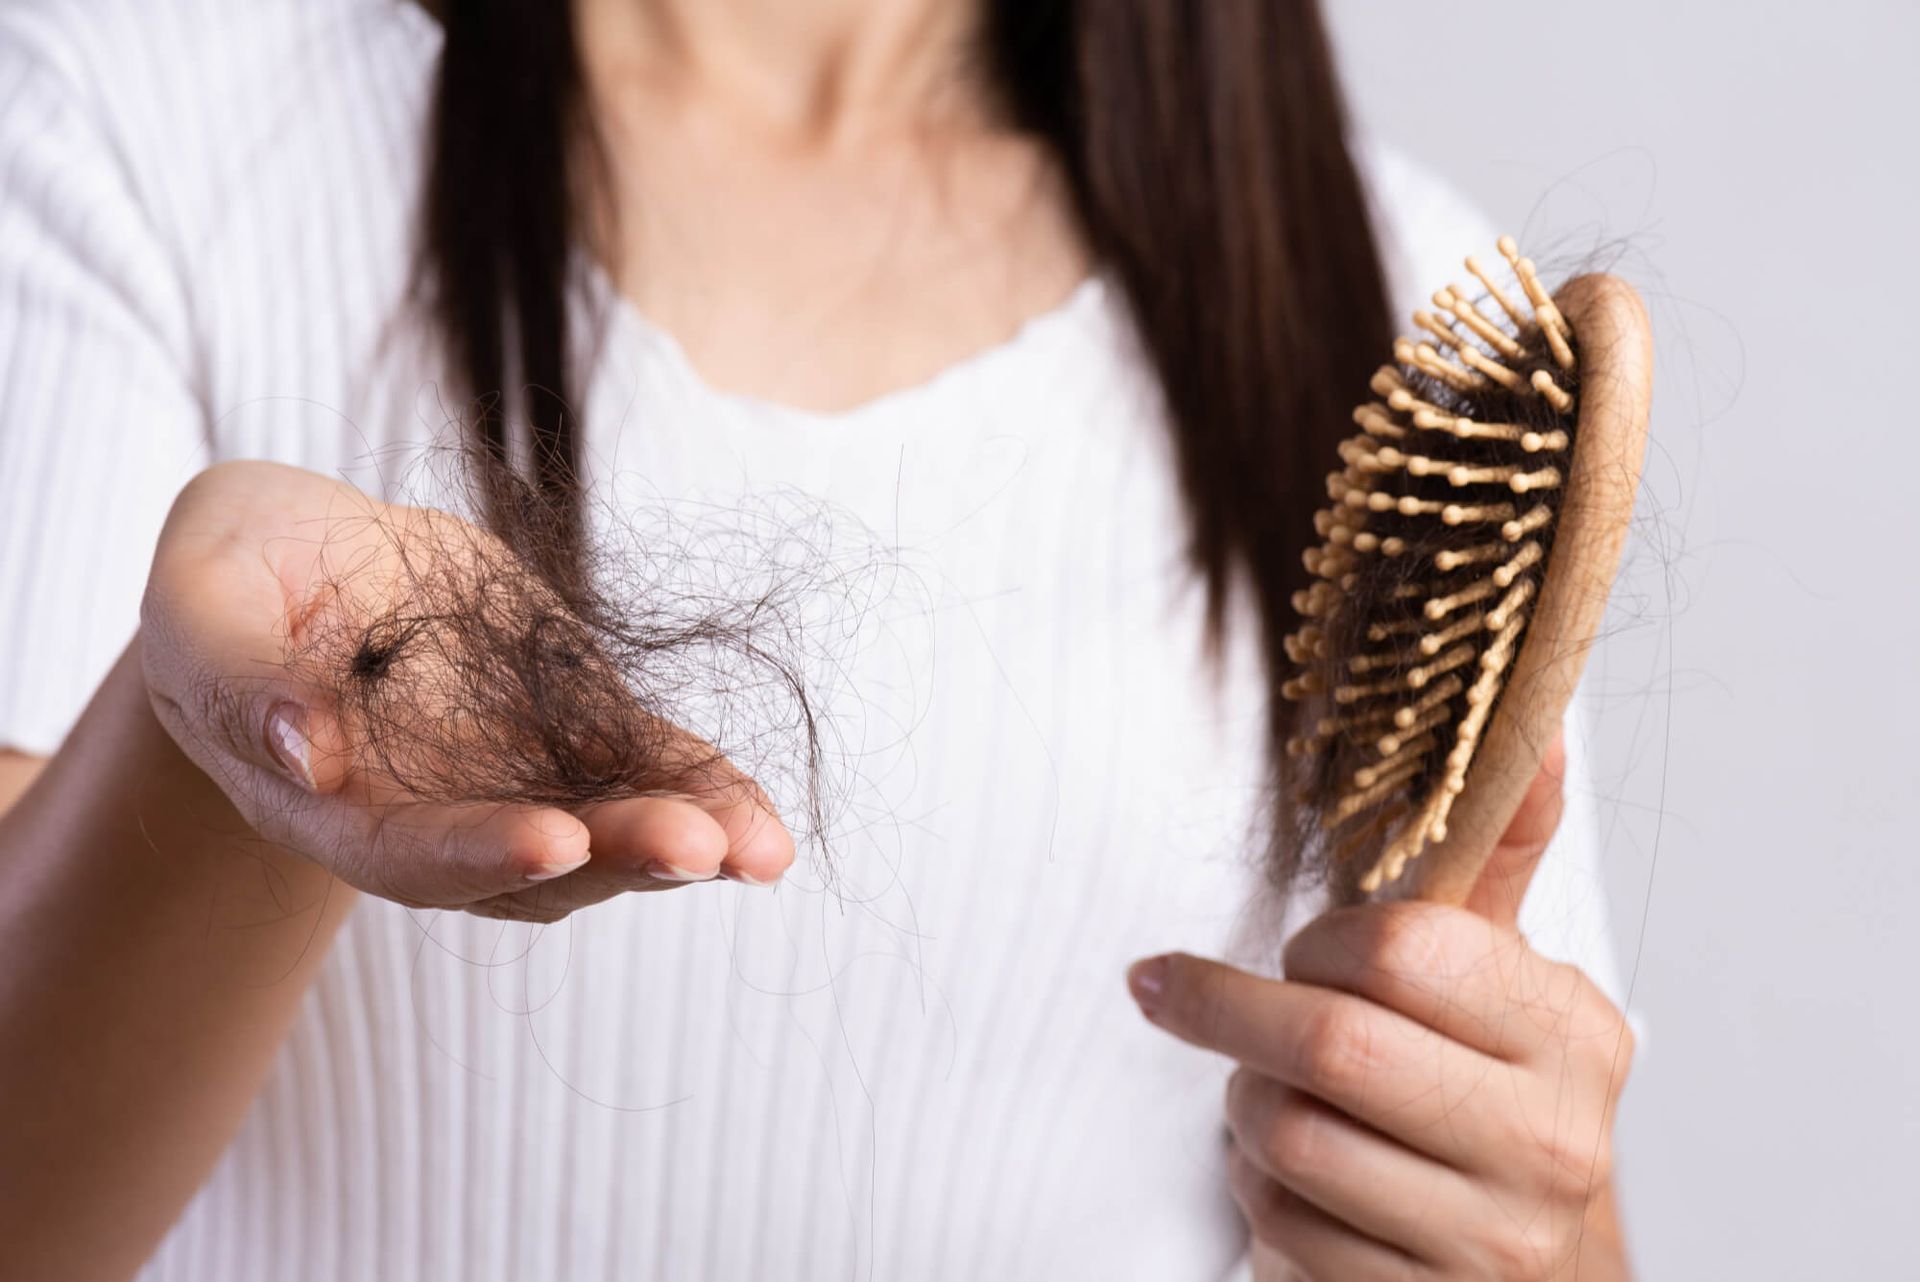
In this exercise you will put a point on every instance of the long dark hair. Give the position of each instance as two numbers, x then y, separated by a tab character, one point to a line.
1203	141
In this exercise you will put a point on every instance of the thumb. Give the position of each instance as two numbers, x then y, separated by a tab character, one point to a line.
246	732
305	742
1503	882
263	713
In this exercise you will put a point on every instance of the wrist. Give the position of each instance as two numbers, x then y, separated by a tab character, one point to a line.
153	951
121	814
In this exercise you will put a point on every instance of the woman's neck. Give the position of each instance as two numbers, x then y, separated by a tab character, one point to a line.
818	73
820	201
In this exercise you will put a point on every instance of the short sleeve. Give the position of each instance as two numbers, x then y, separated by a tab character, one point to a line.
99	424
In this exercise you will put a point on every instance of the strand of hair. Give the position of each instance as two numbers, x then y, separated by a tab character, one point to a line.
1453	298
1434	716
1367	776
1354	802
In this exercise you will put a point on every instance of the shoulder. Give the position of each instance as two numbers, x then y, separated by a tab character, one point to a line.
186	97
246	170
1423	223
122	49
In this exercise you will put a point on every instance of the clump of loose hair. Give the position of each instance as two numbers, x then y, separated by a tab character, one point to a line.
513	659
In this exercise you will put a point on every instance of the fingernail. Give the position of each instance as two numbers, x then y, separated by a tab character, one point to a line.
1147	980
287	739
746	878
667	872
547	872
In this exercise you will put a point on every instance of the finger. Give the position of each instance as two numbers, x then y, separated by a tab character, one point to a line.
670	838
549	901
725	824
1398	1076
1449	969
235	712
1503	882
643	844
758	846
435	856
1320	1247
257	745
640	844
1356	1175
759	849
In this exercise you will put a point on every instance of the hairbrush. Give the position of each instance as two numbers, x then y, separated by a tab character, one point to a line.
1471	537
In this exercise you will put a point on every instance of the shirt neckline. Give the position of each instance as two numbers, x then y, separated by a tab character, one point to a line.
1035	332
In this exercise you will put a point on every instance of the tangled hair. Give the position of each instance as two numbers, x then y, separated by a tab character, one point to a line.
562	671
1203	143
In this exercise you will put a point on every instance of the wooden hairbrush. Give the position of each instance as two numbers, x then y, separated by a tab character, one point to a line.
1470	542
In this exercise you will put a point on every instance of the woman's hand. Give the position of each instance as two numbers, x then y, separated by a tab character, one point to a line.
1423	1096
252	549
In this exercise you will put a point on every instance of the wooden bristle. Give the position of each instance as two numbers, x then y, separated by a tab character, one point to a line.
1440	527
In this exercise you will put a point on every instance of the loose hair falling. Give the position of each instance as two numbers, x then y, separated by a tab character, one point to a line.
1204	145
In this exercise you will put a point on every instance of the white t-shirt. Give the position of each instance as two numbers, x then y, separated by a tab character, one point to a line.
928	1068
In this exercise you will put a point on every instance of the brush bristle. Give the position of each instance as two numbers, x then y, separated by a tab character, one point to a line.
1439	529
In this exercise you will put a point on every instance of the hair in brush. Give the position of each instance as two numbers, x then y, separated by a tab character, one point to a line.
1470	539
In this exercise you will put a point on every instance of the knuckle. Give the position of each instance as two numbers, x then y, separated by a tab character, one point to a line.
1599	1168
1509	1253
1628	1045
1602	1038
1294	1140
1267	1218
1197	993
235	719
206	708
443	850
1240	1086
1581	993
445	858
1413	943
1569	1161
1337	1047
388	861
360	860
1616	1042
1580	1164
1261	1201
1509	1247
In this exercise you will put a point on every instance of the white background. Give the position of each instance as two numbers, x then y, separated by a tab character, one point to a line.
1756	747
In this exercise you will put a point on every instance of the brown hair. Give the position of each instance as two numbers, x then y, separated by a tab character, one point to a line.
1204	144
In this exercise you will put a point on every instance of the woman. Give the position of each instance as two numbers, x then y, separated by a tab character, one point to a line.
1060	305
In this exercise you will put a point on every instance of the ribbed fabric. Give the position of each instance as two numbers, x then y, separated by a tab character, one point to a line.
927	1068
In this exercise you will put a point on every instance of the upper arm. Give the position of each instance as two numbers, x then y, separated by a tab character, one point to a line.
18	770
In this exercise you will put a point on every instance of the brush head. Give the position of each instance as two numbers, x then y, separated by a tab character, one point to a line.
1440	546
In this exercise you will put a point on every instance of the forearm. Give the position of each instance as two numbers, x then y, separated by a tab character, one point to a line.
153	952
